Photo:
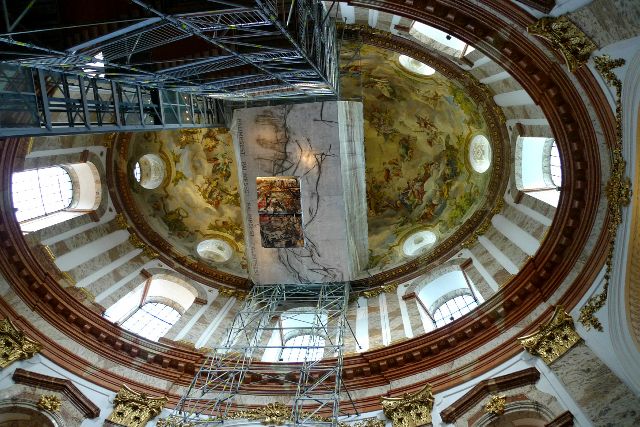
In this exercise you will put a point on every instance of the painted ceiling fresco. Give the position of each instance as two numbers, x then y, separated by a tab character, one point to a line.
417	133
199	197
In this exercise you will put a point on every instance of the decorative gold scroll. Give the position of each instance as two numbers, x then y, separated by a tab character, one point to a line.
136	242
410	410
553	339
14	344
49	402
565	36
133	409
496	405
618	191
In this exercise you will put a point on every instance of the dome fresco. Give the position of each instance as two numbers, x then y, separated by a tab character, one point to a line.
418	133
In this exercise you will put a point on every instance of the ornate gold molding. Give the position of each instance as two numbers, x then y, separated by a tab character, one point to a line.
369	422
272	414
371	293
49	402
496	405
134	409
121	221
552	339
136	242
232	293
618	192
14	344
410	410
567	37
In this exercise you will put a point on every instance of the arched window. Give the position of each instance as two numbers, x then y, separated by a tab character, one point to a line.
298	336
445	298
440	40
301	348
150	171
47	196
152	308
538	168
152	320
41	192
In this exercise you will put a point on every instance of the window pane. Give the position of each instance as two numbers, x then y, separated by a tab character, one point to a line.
40	192
152	320
454	308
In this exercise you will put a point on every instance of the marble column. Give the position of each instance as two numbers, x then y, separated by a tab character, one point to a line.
362	324
84	253
514	98
525	241
193	319
498	255
417	327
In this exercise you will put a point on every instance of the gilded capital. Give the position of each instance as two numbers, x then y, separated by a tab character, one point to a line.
567	37
410	410
133	409
14	344
552	339
496	405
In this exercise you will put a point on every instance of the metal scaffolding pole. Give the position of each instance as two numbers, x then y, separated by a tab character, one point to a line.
292	335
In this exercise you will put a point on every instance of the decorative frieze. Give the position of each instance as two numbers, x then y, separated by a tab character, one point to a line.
552	339
14	344
565	36
410	410
134	409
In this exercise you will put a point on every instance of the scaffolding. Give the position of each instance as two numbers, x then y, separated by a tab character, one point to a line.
298	330
171	68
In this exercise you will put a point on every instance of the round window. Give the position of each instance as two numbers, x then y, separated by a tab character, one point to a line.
215	250
149	171
417	242
480	153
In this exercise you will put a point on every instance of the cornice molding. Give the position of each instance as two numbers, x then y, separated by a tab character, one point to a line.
63	386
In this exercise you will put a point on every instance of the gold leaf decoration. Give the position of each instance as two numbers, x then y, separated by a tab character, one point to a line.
49	402
232	293
371	293
14	344
272	414
496	405
136	242
410	410
565	36
133	409
121	221
552	339
618	192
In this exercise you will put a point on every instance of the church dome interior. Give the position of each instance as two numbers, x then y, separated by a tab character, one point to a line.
367	214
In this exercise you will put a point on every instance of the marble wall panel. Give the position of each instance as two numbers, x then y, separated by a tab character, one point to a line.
539	131
523	112
499	274
505	85
607	22
79	240
375	327
396	325
538	205
485	70
34	238
603	397
478	281
205	320
507	247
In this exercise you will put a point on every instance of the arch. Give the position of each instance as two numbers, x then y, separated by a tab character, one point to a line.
440	40
296	331
26	414
47	196
521	413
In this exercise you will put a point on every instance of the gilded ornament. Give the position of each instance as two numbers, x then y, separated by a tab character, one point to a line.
552	339
136	242
617	190
47	250
371	293
565	36
121	221
133	409
174	421
496	405
49	402
232	293
410	410
272	414
69	278
370	422
14	344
